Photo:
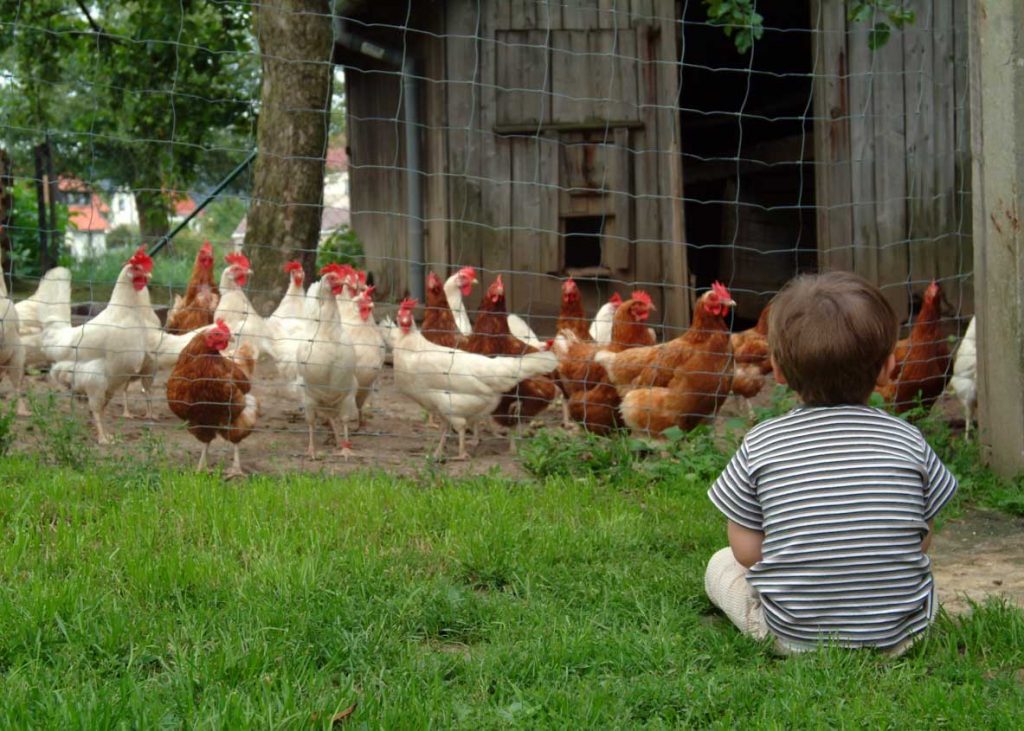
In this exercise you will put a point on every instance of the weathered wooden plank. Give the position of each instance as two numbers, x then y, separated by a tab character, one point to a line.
462	74
592	76
377	190
523	79
529	294
926	224
495	164
997	130
580	14
675	297
549	255
642	13
864	154
617	247
832	109
647	229
890	173
613	13
435	148
962	157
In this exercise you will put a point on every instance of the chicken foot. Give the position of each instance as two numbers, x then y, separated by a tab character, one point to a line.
236	466
344	449
201	467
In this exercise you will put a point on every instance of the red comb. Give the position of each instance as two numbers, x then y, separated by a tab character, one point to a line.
641	296
368	292
407	304
468	272
496	284
222	326
142	260
342	270
207	247
362	276
293	266
615	299
433	280
238	259
719	289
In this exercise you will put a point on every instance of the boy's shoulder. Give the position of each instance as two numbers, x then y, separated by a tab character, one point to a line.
813	418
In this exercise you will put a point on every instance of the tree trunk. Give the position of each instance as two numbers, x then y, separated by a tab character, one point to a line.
154	220
295	41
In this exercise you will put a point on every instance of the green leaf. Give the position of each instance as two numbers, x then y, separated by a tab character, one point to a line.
879	36
859	12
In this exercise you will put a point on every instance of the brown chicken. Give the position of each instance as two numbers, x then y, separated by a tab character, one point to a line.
438	321
922	360
700	377
751	358
491	337
572	318
656	366
211	392
593	401
201	298
571	315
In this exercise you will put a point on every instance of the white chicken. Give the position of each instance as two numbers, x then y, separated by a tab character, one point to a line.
293	304
601	327
50	302
237	311
456	287
965	377
459	387
12	351
355	306
99	357
326	364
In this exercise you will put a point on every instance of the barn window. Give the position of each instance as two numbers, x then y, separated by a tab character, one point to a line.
583	243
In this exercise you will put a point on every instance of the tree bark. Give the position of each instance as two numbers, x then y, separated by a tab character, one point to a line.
154	219
295	42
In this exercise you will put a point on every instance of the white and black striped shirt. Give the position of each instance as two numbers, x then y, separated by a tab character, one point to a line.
843	496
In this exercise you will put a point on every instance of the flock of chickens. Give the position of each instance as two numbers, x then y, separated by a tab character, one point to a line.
609	372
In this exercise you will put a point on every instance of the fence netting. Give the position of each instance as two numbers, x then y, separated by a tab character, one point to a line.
564	214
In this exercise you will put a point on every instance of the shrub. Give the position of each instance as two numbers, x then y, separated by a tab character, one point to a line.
341	247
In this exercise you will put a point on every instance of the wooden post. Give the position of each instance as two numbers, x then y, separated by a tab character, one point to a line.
6	212
42	202
997	145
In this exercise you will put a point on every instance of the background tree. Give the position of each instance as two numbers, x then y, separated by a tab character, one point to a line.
153	96
295	41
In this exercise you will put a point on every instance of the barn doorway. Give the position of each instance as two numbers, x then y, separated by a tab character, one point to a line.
748	154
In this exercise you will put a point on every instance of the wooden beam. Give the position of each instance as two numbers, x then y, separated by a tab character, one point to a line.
997	144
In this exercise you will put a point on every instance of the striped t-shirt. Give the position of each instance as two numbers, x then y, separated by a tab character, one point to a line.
843	495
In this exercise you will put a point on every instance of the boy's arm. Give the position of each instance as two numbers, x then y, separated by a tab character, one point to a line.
926	542
746	543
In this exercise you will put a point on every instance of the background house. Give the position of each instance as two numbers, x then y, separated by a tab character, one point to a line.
86	234
629	143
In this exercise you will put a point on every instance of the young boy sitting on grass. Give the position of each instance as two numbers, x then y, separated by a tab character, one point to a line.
830	507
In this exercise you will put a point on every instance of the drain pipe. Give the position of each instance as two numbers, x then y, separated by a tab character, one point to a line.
410	112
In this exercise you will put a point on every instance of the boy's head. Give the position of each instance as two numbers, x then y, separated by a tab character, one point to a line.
831	337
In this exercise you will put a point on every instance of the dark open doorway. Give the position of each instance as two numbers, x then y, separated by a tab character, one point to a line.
748	154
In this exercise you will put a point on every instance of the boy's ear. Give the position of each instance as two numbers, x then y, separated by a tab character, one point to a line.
885	375
780	378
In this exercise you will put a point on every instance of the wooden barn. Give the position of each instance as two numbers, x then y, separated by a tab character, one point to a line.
628	143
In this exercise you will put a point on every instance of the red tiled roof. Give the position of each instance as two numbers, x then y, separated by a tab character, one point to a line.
67	183
87	218
184	206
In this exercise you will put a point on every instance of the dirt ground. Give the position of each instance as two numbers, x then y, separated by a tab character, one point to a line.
974	556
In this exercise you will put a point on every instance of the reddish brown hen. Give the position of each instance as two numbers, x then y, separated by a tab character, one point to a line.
593	401
492	337
922	360
201	298
686	380
438	321
210	393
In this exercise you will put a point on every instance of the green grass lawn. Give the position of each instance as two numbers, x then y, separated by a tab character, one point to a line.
162	599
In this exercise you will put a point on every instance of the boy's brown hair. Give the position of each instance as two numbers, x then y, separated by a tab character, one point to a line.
830	334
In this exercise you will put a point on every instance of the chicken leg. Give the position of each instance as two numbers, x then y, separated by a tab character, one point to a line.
344	445
463	455
439	452
101	434
236	466
201	467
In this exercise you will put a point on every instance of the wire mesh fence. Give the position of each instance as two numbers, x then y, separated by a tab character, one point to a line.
607	173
